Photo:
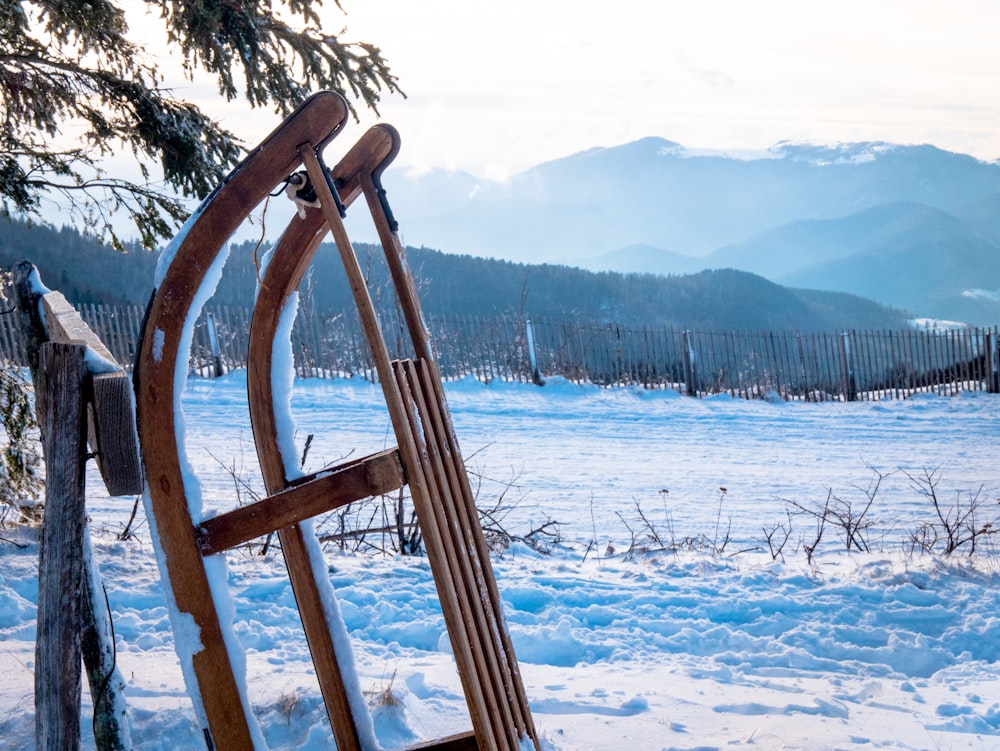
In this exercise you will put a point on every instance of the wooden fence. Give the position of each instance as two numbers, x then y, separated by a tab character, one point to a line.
785	365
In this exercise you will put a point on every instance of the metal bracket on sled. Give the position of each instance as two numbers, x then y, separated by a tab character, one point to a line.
427	457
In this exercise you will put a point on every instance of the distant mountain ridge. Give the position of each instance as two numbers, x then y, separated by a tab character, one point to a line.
653	206
910	227
464	285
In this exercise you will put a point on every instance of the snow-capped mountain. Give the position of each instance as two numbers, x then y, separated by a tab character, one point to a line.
653	205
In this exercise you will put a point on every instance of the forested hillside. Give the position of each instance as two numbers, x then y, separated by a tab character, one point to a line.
83	269
465	285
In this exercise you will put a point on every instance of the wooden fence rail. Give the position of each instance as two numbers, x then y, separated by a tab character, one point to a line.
787	365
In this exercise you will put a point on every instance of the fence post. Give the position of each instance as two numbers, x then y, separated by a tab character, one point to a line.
529	333
73	617
690	364
847	367
992	362
58	652
213	343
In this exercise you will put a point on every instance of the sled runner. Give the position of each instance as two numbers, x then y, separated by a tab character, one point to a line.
427	458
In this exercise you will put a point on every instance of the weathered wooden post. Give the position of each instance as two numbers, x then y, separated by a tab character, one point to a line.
847	368
807	387
690	364
992	361
80	392
529	333
62	372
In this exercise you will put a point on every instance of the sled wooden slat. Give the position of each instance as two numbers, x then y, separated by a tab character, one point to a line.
472	661
463	512
308	497
426	460
445	546
479	575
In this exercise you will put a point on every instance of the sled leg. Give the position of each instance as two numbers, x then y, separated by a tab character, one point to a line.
301	571
227	722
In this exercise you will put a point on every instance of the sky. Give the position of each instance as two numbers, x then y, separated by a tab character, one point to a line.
493	88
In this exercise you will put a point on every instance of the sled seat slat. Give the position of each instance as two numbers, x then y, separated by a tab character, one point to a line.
305	498
460	559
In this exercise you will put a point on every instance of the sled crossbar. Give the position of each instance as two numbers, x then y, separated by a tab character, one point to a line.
303	499
426	459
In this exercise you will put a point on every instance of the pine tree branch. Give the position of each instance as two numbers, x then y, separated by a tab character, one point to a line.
69	72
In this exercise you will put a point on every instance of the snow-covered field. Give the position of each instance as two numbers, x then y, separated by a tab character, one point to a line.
677	649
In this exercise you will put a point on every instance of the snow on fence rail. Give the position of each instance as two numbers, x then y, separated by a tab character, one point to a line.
789	365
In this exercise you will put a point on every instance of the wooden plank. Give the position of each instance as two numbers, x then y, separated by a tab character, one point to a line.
112	420
775	362
911	361
115	445
832	378
462	518
64	324
967	361
863	369
325	491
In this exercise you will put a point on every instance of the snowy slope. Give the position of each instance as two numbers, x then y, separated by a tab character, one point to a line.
669	650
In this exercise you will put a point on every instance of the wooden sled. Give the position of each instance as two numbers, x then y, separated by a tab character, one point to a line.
427	457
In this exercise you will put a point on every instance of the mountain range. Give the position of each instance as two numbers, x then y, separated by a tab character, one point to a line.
802	237
913	227
462	285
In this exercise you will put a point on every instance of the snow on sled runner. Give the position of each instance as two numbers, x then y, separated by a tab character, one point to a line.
426	459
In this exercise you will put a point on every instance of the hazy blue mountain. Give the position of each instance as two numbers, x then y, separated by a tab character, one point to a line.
918	258
911	227
642	259
655	193
982	216
779	252
903	254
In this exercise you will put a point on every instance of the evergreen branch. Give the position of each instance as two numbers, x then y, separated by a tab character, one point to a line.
70	72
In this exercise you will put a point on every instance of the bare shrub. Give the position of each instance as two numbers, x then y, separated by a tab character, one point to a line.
853	521
959	524
777	536
650	536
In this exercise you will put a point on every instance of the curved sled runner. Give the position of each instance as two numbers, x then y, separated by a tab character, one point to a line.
427	457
